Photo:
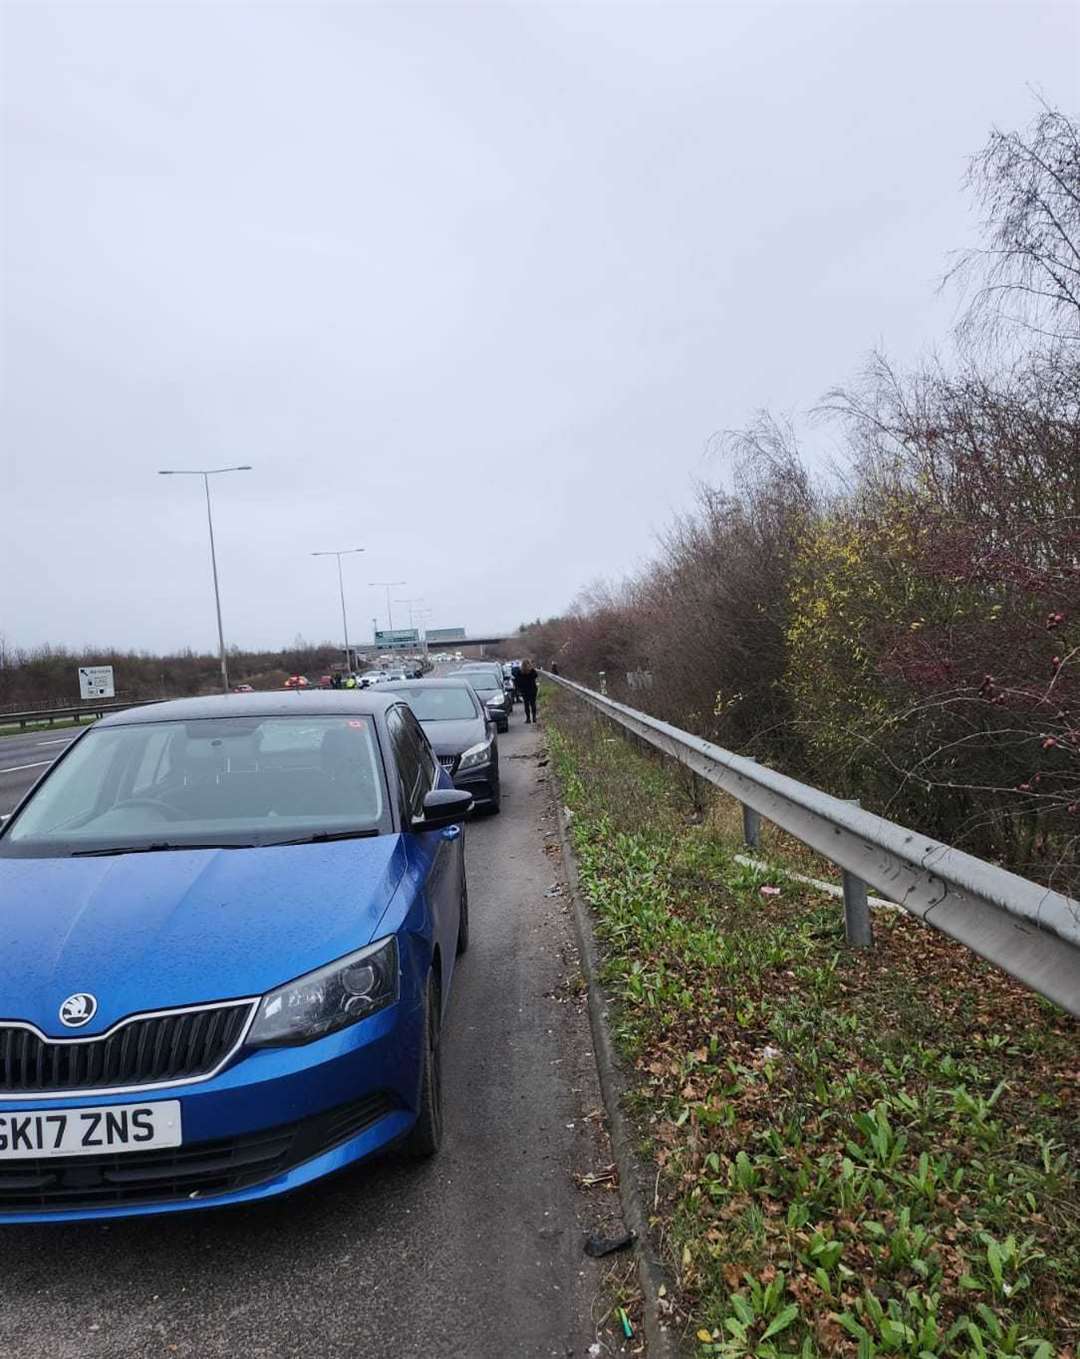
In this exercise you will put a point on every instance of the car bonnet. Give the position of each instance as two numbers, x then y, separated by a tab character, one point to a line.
451	738
151	931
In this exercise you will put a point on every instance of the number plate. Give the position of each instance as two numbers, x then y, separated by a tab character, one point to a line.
99	1131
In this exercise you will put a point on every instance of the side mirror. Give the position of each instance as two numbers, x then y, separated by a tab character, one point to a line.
444	807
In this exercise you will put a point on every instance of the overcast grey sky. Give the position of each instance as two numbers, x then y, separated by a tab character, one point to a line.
469	285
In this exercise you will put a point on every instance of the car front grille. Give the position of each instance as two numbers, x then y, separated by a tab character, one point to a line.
156	1049
449	762
200	1170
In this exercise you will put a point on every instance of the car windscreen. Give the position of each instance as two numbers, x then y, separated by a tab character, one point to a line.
484	683
452	704
214	781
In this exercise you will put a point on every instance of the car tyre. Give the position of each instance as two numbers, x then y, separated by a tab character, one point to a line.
426	1136
504	725
463	920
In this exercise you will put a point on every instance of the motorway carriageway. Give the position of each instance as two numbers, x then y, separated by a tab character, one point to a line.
23	760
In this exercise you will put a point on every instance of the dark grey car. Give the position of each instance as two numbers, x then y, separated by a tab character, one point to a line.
486	678
461	733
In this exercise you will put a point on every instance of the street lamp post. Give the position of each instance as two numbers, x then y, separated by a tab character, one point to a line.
419	599
387	585
345	552
423	615
206	474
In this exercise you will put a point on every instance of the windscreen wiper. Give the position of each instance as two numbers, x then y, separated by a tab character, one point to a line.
322	837
148	849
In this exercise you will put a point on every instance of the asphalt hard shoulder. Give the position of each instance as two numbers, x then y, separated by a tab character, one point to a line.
477	1253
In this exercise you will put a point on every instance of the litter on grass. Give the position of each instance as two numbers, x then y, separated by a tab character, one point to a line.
597	1246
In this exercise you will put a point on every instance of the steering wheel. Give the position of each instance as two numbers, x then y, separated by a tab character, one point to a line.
163	807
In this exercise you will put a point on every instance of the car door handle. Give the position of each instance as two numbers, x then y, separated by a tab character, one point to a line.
451	832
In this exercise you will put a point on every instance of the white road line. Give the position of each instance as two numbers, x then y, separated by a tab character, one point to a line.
14	768
61	741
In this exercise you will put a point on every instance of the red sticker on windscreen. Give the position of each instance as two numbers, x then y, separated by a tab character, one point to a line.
353	723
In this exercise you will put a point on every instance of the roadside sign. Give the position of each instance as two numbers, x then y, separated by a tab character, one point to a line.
397	639
445	635
96	681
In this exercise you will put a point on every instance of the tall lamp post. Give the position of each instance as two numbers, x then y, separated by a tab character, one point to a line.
419	599
423	615
345	552
206	474
387	585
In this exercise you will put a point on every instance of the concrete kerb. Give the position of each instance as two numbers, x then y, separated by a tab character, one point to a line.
661	1342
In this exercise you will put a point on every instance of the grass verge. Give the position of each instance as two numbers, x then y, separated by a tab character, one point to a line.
37	728
855	1153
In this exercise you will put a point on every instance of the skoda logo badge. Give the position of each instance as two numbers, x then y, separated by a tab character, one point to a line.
78	1010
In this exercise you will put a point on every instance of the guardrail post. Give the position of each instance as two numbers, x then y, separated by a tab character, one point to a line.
751	822
858	929
603	681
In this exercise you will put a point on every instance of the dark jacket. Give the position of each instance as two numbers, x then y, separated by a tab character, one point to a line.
525	680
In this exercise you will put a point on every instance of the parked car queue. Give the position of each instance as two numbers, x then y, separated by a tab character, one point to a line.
220	909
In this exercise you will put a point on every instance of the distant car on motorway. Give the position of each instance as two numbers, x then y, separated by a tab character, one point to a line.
487	681
509	671
494	666
476	667
243	689
297	682
370	677
230	927
461	731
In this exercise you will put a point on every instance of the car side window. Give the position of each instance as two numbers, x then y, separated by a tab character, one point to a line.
408	760
428	765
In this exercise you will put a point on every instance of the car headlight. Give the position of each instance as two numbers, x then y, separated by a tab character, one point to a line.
497	701
329	999
475	755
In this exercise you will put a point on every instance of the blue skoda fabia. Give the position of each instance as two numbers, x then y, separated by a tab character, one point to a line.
228	929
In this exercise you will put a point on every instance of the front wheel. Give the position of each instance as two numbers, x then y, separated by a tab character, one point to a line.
426	1136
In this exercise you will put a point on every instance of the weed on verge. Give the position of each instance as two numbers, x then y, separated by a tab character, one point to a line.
857	1153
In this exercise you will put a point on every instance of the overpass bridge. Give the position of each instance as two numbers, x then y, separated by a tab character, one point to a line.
464	642
469	644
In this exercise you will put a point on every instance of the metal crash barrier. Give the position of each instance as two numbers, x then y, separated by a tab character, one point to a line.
1029	931
76	710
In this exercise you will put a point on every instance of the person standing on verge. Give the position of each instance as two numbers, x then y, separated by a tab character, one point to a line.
526	682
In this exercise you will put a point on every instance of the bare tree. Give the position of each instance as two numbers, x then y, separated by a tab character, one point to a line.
1027	273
